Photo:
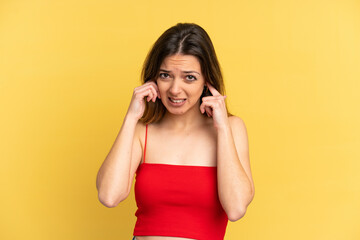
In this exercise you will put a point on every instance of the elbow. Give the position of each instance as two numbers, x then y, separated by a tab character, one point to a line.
239	213
108	204
236	215
112	202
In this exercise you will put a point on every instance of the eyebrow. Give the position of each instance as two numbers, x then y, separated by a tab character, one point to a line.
183	71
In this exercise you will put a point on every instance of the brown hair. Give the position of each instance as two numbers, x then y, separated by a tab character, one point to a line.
186	39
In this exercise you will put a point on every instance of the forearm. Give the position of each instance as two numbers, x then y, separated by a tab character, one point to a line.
234	186
114	173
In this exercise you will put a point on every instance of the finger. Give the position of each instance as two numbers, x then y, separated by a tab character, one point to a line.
215	102
205	108
141	92
156	88
153	98
146	92
150	95
207	114
213	91
154	92
211	105
212	98
202	108
208	111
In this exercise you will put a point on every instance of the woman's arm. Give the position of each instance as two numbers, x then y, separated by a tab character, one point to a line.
113	177
235	183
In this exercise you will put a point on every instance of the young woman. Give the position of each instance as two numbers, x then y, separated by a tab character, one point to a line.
190	155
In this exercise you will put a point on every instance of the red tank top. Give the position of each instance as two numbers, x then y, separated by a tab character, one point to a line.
178	201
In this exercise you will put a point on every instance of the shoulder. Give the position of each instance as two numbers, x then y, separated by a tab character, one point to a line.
239	132
237	124
140	129
140	126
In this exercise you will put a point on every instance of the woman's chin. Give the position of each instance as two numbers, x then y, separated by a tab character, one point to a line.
176	111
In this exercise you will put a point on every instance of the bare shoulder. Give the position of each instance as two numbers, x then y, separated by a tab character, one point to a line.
140	130
239	132
140	126
237	125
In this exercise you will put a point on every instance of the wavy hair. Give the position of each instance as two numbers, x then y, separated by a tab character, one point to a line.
186	39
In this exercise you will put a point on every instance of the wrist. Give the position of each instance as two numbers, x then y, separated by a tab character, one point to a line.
130	120
224	127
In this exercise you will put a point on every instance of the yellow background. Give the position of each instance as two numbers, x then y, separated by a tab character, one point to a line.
67	72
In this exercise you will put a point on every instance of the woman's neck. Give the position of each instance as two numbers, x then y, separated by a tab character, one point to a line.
183	122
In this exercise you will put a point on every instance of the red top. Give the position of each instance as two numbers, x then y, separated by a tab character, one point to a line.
178	201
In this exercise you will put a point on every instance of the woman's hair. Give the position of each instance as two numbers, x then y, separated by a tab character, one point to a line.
186	39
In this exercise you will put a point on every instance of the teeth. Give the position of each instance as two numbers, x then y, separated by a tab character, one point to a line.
176	101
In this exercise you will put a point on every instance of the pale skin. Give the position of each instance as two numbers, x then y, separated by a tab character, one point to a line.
212	140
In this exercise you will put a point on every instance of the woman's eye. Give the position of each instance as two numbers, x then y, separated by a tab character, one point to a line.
191	77
188	77
163	75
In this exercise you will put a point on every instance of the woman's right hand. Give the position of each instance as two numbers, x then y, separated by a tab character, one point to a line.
137	105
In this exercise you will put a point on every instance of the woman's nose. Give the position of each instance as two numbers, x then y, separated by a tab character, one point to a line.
175	87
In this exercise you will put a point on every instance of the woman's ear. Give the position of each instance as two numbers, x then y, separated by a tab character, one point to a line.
204	90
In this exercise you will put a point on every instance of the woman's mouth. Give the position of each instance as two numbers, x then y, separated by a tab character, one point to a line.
177	102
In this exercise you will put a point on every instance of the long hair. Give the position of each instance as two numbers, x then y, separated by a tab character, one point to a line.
186	39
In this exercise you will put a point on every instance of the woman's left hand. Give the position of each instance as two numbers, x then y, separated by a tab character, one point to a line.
215	107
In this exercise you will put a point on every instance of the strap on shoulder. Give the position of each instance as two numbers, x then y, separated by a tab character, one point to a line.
145	141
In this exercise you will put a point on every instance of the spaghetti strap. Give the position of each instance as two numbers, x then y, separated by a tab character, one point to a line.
145	141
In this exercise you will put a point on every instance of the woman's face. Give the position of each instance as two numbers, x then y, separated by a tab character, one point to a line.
181	83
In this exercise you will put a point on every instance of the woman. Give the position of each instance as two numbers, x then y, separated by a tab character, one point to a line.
189	154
